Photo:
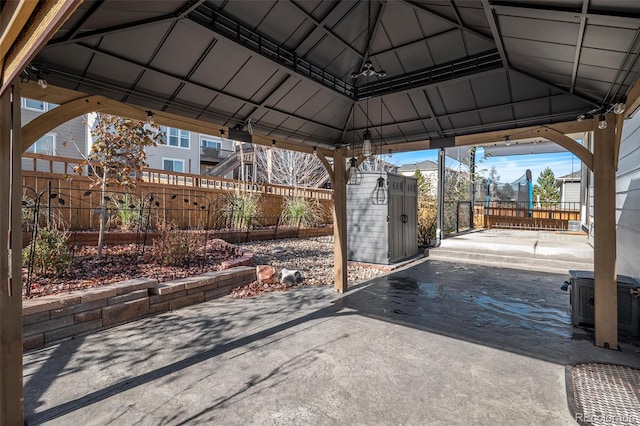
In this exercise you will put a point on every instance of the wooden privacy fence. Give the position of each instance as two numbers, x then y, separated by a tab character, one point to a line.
181	199
521	215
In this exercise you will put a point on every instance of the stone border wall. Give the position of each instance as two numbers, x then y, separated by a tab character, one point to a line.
50	318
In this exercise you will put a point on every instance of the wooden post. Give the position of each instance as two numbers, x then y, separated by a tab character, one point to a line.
11	392
604	264
340	221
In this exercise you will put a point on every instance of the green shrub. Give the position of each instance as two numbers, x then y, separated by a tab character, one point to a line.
300	211
241	207
50	253
126	208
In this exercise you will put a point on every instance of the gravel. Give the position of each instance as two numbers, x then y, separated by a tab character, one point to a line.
313	257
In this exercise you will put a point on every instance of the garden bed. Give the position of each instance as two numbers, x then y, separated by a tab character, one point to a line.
124	262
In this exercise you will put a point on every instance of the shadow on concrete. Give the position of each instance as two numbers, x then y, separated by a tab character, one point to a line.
521	312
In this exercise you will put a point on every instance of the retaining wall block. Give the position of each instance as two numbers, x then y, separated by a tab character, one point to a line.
135	284
125	311
81	307
35	341
47	303
88	316
186	300
134	295
44	326
82	327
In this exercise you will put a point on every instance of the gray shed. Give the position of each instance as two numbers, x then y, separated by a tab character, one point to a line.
384	233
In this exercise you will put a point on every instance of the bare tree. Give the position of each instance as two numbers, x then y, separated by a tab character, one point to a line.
291	168
117	156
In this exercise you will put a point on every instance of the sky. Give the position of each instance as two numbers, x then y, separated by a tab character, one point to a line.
509	168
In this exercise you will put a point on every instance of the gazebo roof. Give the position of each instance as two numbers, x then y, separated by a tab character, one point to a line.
453	67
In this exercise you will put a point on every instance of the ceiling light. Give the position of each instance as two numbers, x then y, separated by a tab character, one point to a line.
42	83
150	118
368	70
581	117
507	140
355	175
619	107
602	124
366	144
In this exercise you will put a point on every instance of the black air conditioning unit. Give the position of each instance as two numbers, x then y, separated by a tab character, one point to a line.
582	298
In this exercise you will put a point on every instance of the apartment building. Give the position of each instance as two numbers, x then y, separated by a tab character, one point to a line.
182	151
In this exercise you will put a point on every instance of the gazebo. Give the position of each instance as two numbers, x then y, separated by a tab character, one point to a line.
327	77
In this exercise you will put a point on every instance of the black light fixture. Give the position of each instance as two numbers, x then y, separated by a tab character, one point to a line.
380	194
368	70
507	140
355	175
150	120
37	72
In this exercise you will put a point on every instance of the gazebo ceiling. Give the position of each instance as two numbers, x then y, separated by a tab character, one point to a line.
453	67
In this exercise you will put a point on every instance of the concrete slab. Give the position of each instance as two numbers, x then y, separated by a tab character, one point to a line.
536	244
435	343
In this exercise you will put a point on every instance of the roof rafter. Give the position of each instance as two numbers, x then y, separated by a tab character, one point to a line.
628	20
279	56
452	114
446	19
179	14
576	58
202	86
320	25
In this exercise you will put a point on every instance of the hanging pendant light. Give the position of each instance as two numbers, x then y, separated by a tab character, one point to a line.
355	174
366	144
380	194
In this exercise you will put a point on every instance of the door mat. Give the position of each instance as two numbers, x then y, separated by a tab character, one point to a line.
604	394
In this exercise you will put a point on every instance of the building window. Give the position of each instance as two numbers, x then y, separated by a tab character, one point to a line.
175	137
209	142
173	165
35	105
44	145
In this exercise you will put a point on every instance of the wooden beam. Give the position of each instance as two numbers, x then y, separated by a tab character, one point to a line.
523	133
65	97
339	221
44	21
567	143
14	17
11	390
604	254
44	123
326	165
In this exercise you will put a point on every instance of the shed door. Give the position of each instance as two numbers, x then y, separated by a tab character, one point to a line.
396	211
410	229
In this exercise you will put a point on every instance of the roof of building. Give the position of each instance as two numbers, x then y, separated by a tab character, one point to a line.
571	177
422	166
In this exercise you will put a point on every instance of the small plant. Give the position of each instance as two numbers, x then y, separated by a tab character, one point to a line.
240	208
174	247
127	210
49	255
300	211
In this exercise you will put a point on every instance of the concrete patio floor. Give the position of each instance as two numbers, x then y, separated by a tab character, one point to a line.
434	343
